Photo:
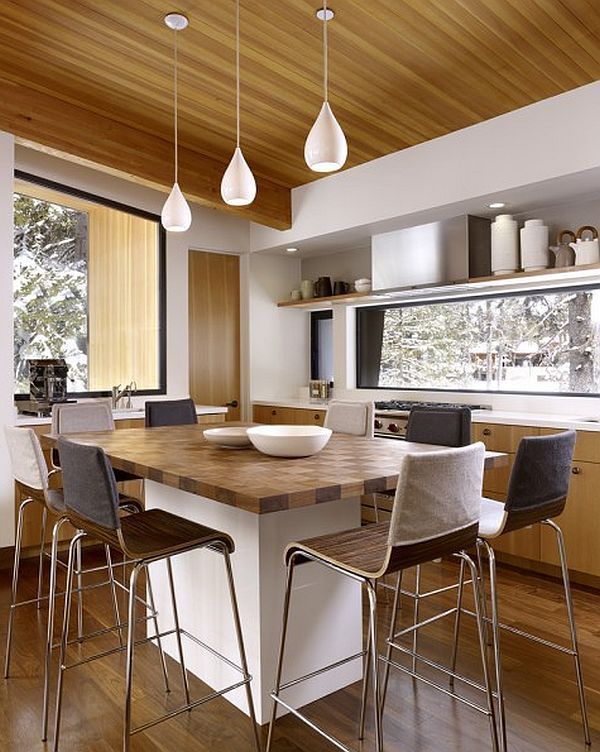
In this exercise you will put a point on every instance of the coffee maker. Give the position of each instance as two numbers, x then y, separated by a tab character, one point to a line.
47	385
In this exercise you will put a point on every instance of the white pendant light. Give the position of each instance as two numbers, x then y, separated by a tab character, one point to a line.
238	187
176	215
325	149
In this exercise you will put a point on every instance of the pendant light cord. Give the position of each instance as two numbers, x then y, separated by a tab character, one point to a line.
325	54
237	71
175	104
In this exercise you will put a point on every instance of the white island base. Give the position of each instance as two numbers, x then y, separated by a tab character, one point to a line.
325	618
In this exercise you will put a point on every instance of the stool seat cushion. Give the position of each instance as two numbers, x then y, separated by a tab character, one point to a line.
492	518
154	534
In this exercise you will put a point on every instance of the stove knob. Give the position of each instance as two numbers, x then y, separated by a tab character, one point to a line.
378	424
393	427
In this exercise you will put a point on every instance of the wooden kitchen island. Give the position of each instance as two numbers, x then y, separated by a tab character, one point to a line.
263	503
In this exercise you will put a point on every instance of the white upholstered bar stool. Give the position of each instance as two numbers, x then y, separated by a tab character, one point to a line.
354	418
435	513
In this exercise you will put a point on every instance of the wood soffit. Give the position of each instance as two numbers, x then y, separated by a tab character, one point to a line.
93	79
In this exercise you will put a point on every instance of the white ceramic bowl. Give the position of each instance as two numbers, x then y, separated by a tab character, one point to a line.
289	441
235	437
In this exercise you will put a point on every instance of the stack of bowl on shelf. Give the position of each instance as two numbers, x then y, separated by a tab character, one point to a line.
582	247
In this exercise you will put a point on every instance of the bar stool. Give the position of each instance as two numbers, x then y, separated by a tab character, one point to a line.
170	413
92	507
30	472
354	418
435	513
537	492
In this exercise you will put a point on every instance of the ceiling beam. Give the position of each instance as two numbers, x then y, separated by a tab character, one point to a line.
46	122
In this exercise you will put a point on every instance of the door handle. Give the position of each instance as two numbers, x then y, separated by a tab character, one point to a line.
233	403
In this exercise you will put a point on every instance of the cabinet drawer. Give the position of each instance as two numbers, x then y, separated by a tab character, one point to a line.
587	446
499	438
309	417
495	481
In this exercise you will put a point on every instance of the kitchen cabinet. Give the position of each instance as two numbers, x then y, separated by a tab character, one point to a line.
287	415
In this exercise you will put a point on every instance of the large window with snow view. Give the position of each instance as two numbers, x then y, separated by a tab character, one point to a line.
544	342
89	287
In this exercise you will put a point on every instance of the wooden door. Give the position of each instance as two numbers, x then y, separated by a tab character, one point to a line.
214	330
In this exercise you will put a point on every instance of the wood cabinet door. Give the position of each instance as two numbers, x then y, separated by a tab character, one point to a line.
580	522
499	438
309	417
214	330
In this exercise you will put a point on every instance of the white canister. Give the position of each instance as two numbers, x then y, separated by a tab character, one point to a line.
534	245
307	289
586	251
505	245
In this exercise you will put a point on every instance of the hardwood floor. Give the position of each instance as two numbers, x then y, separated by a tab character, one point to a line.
542	706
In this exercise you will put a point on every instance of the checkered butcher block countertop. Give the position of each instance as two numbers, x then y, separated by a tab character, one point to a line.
179	456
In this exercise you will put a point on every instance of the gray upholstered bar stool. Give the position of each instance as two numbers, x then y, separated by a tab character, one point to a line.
354	418
91	499
537	493
170	413
31	479
435	513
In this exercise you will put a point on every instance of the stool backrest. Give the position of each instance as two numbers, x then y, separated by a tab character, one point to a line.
446	426
89	483
355	418
26	457
541	471
438	493
170	413
82	417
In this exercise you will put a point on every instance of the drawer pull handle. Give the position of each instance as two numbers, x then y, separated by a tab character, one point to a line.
576	470
487	431
273	412
317	416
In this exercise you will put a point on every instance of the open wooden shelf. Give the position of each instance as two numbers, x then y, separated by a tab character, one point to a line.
316	302
538	273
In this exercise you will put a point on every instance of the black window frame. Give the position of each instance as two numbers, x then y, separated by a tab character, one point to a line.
162	274
460	299
315	317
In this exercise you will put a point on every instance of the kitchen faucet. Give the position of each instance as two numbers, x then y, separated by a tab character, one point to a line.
119	394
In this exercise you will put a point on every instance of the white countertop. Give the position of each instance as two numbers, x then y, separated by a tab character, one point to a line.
32	420
540	420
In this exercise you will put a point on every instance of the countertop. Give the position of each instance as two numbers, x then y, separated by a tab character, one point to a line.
32	420
541	420
180	456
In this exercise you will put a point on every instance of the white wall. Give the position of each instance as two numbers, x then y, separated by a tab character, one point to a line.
278	336
210	231
552	138
7	492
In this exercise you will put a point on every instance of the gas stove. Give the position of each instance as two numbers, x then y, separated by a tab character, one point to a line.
391	416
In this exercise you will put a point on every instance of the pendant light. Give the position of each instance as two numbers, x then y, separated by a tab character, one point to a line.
325	149
238	187
176	215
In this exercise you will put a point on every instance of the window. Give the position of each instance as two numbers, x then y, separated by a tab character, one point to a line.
321	345
89	287
545	342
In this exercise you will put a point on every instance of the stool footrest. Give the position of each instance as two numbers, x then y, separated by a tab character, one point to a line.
332	739
320	671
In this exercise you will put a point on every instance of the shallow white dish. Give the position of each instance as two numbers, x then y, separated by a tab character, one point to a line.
235	437
289	441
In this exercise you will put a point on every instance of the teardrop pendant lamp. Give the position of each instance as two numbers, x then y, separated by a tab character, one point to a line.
325	149
238	186
176	215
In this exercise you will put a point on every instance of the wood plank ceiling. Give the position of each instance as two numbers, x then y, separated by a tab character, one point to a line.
93	78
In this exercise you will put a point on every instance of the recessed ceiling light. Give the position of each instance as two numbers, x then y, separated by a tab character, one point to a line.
497	205
324	15
292	250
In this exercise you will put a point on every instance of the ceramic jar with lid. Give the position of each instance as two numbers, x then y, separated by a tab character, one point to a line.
505	245
307	289
534	245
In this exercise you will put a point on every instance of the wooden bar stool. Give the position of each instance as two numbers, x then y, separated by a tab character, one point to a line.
435	513
537	492
92	507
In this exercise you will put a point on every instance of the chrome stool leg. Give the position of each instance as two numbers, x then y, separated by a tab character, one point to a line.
15	583
241	648
130	655
184	676
483	592
286	612
574	644
372	593
416	609
113	590
392	631
459	598
50	625
65	634
496	643
41	557
79	592
161	652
